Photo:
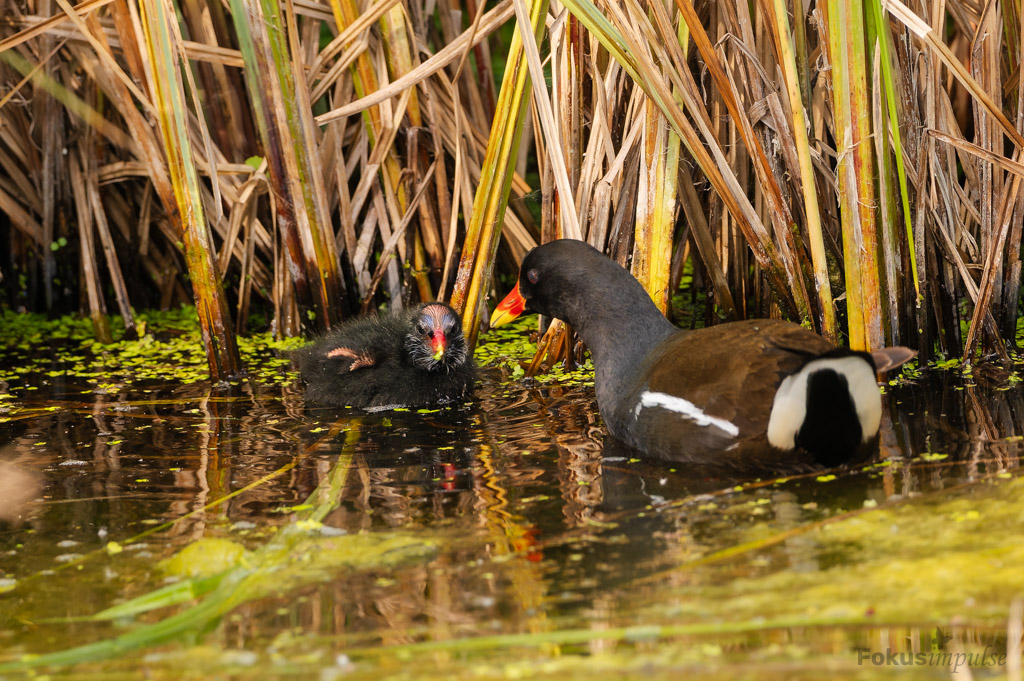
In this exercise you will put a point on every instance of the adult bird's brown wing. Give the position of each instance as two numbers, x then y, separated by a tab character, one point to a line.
730	373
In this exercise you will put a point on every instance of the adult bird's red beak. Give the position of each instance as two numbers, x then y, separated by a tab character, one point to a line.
510	308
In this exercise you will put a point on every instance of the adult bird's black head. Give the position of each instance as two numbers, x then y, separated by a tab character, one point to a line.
567	279
757	394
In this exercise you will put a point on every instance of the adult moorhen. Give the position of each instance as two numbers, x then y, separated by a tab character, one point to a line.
409	358
758	394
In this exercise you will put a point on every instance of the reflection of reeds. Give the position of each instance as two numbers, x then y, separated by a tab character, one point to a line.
259	574
843	168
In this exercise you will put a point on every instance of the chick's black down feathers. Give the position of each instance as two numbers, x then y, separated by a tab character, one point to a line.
410	358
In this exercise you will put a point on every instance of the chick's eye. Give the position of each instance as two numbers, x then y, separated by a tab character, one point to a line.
532	276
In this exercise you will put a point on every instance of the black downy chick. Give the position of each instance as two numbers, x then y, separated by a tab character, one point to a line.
410	358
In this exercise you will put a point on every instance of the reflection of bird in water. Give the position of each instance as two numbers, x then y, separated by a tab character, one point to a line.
628	484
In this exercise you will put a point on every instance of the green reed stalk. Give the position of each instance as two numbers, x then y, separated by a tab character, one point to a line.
484	230
280	98
172	118
856	171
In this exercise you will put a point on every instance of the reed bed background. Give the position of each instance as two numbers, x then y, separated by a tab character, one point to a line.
853	166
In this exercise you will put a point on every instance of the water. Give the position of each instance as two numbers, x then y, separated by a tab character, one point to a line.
500	539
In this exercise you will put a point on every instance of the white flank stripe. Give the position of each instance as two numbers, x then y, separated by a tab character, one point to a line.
685	408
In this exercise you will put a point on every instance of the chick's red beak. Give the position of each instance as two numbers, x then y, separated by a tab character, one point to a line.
438	343
510	308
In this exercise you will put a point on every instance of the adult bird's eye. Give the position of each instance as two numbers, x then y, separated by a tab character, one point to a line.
532	276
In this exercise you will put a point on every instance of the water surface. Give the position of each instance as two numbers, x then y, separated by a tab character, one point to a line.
498	539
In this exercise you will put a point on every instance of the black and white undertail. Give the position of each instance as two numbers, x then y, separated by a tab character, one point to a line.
831	405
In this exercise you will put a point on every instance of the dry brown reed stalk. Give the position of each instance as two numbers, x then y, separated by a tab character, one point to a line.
901	235
850	165
340	200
